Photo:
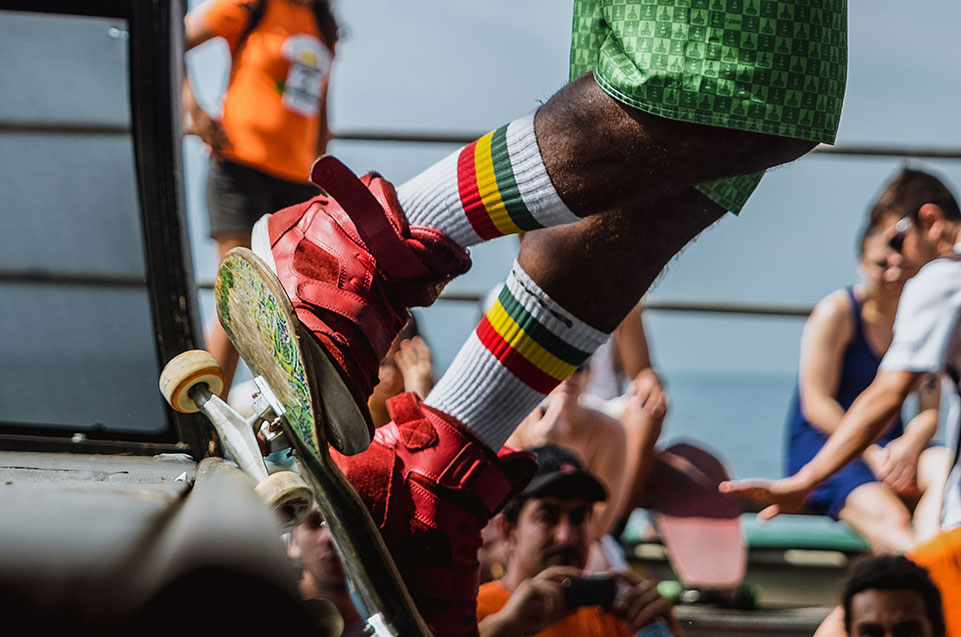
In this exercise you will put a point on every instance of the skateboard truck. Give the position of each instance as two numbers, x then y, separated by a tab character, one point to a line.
268	412
190	382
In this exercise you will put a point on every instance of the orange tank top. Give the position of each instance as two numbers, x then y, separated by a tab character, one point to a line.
278	78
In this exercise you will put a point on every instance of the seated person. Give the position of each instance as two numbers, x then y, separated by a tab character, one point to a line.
546	531
841	348
887	595
322	575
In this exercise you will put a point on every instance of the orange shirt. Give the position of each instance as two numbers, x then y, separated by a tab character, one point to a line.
277	79
587	620
941	555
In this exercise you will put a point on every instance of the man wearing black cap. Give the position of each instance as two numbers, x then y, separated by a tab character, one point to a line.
546	529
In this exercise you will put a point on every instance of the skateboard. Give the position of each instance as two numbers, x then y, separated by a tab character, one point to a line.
301	403
699	526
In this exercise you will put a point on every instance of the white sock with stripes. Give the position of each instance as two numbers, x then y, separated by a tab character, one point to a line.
524	346
495	186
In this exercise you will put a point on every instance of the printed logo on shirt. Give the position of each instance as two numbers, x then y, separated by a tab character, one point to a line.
309	63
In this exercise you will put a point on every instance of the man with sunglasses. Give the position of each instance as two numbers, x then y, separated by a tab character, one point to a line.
927	339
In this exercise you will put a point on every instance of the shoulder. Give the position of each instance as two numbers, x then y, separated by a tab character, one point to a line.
936	278
832	313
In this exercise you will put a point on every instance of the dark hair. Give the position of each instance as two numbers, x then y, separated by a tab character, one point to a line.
870	230
324	16
908	191
894	572
512	509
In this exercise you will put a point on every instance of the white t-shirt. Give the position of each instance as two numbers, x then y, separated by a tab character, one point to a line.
927	338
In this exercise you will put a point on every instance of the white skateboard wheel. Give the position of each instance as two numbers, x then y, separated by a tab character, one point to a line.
288	495
184	372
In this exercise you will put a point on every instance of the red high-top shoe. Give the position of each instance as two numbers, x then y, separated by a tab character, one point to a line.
431	487
351	266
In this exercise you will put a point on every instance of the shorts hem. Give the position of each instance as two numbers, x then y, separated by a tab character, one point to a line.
712	119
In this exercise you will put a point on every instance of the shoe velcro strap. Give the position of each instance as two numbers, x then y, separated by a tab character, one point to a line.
405	408
381	238
472	471
438	512
349	305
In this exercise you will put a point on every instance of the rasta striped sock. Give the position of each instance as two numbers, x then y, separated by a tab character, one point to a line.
524	346
494	186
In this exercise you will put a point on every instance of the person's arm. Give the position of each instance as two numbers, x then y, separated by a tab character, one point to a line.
901	456
609	466
197	121
827	333
630	344
862	424
645	406
323	131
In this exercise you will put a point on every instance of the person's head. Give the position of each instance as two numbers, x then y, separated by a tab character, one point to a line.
928	217
877	262
548	523
312	544
891	596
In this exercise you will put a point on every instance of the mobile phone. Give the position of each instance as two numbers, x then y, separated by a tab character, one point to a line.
593	590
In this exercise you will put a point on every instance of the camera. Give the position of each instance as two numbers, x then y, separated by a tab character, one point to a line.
593	590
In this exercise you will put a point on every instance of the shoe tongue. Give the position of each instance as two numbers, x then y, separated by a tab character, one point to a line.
387	197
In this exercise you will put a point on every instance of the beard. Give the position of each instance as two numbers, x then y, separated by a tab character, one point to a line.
564	556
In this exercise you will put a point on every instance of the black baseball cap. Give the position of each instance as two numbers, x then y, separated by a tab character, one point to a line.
561	474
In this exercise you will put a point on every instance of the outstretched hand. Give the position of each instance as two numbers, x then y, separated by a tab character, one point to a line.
782	496
413	361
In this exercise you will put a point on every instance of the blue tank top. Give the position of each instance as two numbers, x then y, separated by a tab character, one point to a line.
858	368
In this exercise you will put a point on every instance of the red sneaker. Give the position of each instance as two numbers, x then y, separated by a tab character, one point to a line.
431	487
351	266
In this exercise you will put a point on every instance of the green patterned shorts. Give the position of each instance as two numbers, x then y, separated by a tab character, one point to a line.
764	66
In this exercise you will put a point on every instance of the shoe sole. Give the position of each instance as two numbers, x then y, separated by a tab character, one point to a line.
341	416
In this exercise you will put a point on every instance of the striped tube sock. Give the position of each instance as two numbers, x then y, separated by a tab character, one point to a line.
495	186
522	348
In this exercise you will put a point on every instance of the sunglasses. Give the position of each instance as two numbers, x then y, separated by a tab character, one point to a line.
896	242
314	521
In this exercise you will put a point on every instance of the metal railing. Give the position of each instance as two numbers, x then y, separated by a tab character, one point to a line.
666	305
859	150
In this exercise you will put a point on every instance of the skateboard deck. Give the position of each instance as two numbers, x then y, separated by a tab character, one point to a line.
699	526
260	321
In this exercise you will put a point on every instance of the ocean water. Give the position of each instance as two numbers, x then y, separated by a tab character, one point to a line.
739	415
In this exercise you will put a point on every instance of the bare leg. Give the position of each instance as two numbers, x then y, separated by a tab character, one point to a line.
602	155
933	470
217	341
599	268
874	511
